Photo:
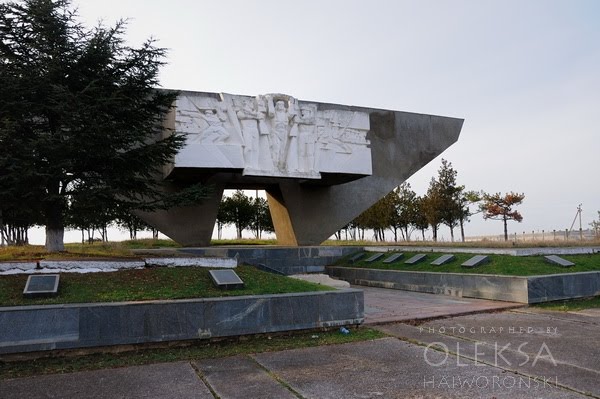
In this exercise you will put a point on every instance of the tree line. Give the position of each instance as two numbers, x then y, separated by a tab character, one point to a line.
245	213
446	203
402	212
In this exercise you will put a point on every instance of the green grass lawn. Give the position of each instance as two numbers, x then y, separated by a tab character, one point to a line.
572	305
197	350
150	283
499	264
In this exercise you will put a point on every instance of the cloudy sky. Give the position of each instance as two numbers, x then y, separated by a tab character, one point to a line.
525	76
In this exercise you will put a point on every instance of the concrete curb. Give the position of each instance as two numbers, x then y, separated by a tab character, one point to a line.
91	266
68	326
521	289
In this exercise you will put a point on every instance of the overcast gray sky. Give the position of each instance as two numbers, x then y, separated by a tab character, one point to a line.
525	76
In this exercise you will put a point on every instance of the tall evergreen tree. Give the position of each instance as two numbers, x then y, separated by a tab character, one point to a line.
431	206
261	221
420	222
237	210
378	217
465	199
80	113
449	192
406	209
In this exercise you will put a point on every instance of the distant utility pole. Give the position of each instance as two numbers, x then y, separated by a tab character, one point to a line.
578	215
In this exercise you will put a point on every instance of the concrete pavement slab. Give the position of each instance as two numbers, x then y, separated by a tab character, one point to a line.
386	305
564	351
569	342
589	316
164	381
240	377
390	368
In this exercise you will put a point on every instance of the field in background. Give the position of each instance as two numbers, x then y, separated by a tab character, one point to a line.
122	249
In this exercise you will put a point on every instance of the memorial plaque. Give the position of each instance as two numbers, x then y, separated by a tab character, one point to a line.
373	258
442	260
476	260
557	260
41	285
356	257
416	259
393	258
226	279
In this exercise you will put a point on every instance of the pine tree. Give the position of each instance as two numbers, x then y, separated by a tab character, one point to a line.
500	207
80	113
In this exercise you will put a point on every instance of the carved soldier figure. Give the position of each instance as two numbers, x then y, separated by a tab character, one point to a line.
280	123
248	116
307	137
215	132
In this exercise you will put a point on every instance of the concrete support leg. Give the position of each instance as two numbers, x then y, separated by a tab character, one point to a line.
281	218
189	225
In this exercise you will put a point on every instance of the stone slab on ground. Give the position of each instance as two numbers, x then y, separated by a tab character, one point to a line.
557	260
164	381
476	260
356	257
386	305
415	259
391	368
442	260
240	377
324	279
373	258
393	258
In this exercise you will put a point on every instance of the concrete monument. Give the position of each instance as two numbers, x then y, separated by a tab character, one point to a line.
320	164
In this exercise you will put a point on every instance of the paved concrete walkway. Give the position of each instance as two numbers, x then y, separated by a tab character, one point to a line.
524	353
387	305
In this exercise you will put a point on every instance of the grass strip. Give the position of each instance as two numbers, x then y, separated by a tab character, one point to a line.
195	351
151	284
571	305
499	264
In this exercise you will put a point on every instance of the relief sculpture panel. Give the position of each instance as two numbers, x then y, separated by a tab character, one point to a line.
271	135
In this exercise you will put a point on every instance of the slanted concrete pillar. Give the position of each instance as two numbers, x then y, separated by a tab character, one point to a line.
284	230
188	225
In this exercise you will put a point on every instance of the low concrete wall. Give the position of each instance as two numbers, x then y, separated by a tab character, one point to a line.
531	289
38	328
501	288
93	266
556	287
286	260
